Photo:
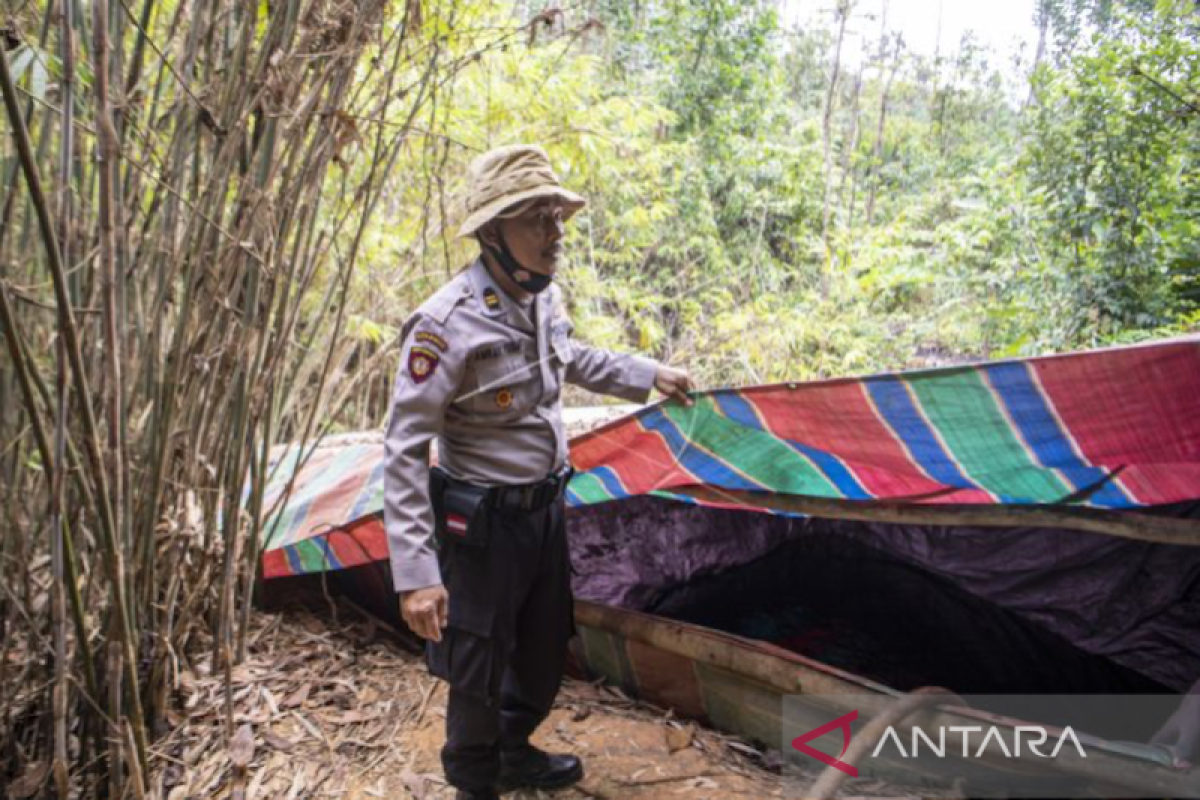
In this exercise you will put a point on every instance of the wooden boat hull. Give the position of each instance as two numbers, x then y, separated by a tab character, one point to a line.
738	685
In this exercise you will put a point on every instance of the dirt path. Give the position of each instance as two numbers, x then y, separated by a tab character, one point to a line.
329	706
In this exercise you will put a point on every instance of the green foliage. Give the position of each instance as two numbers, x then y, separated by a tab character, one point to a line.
1112	164
970	223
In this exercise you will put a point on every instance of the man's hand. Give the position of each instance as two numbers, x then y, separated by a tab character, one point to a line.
426	611
674	383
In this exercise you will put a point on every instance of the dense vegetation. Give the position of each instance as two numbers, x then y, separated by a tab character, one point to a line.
214	216
761	210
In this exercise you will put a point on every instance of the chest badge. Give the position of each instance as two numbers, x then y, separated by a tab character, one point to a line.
422	363
491	299
504	398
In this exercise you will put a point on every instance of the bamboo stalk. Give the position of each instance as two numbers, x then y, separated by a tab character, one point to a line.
116	734
57	602
106	158
219	233
70	336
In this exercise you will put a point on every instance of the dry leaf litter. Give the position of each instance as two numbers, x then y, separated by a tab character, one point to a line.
329	704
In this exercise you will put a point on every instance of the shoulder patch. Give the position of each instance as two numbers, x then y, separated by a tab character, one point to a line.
491	299
422	363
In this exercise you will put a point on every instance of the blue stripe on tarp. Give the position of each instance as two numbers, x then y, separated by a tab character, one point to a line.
294	560
704	466
1043	434
736	407
362	504
331	559
896	406
610	480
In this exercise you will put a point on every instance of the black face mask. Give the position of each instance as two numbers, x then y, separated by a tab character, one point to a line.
530	281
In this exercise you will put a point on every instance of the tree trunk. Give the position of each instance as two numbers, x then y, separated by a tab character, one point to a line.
1043	20
844	7
881	131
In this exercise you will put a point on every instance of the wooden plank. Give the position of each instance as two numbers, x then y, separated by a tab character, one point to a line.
1125	524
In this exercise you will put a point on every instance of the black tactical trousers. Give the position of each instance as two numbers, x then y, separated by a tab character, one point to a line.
504	649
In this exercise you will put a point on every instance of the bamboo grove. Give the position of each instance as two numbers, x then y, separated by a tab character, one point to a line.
186	186
215	214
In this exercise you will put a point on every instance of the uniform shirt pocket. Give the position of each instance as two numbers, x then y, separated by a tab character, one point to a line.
502	385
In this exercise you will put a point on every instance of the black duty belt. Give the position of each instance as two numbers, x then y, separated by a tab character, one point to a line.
531	496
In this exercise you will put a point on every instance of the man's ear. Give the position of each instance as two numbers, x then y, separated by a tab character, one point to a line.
487	234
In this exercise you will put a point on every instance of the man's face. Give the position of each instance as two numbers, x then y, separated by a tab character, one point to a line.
535	236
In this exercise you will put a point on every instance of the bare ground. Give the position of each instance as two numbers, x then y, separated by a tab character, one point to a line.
327	704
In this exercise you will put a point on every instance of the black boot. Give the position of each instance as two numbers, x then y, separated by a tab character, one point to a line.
527	767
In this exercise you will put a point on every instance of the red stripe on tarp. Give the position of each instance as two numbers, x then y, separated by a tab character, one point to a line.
1138	408
333	505
361	542
1160	484
317	463
642	459
839	418
275	564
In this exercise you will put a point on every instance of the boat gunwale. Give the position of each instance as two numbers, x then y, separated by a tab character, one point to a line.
767	664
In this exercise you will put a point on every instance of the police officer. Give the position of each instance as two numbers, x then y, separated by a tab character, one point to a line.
478	544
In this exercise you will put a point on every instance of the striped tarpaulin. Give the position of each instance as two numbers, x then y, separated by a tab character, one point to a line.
327	517
1110	429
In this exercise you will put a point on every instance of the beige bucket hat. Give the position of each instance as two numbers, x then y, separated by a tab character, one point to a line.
509	175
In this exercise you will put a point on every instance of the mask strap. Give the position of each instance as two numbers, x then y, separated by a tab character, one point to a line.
534	284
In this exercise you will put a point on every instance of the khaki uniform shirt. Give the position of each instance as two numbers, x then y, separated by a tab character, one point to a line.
483	374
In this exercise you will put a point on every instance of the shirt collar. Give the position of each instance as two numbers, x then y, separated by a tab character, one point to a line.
494	301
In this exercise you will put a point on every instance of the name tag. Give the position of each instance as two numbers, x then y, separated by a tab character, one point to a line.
495	351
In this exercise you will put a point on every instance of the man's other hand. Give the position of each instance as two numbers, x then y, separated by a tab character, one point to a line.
674	383
426	611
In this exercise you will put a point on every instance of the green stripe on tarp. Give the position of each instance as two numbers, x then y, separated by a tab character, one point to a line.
756	454
312	555
963	410
589	489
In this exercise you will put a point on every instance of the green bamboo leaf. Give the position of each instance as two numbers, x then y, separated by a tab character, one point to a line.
21	58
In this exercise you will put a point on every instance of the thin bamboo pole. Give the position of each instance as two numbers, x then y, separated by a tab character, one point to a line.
69	332
194	214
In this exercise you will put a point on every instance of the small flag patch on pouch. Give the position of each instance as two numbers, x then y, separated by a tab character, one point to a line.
456	524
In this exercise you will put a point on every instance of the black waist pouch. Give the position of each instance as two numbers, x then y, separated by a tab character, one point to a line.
459	510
